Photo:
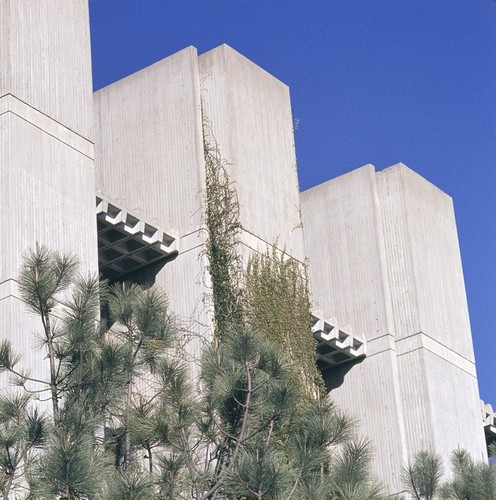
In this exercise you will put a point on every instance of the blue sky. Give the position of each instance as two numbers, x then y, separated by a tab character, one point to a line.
372	81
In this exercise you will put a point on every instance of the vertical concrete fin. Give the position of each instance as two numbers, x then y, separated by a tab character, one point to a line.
47	182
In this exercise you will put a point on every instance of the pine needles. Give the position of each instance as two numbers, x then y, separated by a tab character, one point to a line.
125	422
471	480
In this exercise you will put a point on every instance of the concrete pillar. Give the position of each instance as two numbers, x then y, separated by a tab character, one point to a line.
384	258
149	160
248	112
46	150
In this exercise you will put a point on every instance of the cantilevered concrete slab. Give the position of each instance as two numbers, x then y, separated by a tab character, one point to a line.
127	244
489	422
335	344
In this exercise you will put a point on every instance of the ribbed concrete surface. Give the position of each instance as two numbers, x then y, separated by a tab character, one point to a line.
149	150
249	112
149	158
47	182
384	257
45	59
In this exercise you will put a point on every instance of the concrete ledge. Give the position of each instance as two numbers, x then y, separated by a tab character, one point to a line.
421	340
336	345
11	104
380	344
259	245
8	288
192	240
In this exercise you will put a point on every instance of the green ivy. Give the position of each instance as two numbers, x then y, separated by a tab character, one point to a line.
274	299
223	226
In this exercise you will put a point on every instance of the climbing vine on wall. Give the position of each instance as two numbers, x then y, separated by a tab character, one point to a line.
223	226
271	296
277	305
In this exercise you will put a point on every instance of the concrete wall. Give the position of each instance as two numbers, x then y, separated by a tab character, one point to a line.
342	229
430	314
423	260
384	258
46	152
248	113
149	160
45	59
148	150
383	248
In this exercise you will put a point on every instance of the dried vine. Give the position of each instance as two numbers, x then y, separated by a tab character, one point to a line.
277	304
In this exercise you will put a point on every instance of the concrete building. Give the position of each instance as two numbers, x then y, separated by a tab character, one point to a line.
382	247
384	258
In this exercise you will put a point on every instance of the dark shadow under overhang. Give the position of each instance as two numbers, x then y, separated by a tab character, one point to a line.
335	345
127	243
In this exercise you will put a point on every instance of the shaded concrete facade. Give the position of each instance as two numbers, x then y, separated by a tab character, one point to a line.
382	247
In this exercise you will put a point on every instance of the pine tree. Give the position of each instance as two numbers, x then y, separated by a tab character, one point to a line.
125	423
423	476
68	307
98	380
248	391
274	439
22	431
471	480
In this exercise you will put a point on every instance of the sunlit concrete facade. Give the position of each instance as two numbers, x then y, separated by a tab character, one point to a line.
382	246
47	176
150	128
384	257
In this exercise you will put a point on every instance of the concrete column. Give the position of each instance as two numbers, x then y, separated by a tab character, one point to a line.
384	258
430	314
248	113
149	160
46	150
